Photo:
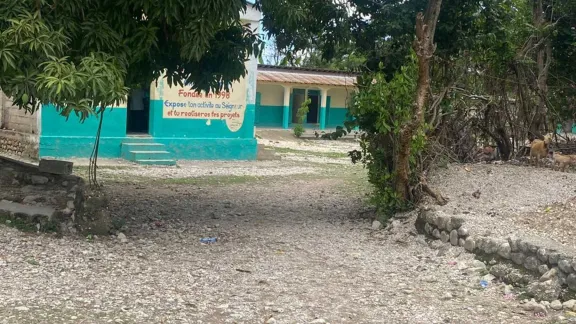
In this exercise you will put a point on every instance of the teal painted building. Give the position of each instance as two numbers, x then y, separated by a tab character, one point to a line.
282	90
160	124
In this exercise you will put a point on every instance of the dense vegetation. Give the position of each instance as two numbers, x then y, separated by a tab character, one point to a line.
502	72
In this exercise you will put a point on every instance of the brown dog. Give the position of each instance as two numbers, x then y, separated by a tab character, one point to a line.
539	149
561	161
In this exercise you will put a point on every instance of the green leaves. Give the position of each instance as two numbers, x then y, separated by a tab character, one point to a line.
83	54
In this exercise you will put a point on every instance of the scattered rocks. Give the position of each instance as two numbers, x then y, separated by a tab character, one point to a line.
540	309
515	277
39	180
533	306
489	277
571	281
565	265
463	232
436	245
477	264
569	304
500	270
556	305
122	237
446	296
32	199
550	274
542	255
547	290
531	263
469	244
441	222
513	242
461	242
22	308
542	269
454	237
444	237
318	321
517	257
376	225
491	246
553	258
457	223
504	250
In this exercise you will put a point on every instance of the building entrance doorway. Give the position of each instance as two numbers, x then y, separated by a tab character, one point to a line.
313	109
138	111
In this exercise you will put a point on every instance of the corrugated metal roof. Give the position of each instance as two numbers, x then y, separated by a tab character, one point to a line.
306	78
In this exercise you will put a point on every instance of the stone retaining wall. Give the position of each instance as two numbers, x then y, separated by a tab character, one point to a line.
19	144
546	273
71	207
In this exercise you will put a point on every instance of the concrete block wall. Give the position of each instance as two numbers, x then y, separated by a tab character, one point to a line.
12	118
18	130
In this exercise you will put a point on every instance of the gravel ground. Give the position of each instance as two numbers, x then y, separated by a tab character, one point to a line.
285	139
290	250
511	200
297	256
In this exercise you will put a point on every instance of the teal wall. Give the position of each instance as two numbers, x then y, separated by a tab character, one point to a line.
560	128
70	138
272	116
53	124
269	116
184	138
197	128
193	139
211	148
336	117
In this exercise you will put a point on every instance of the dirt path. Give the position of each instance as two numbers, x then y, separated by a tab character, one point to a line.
288	251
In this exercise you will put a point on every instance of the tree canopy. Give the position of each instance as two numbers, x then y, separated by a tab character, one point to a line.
81	54
502	72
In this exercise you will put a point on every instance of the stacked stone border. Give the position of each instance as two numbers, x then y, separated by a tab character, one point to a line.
554	269
82	210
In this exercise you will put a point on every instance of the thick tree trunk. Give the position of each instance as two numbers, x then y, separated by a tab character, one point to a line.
424	48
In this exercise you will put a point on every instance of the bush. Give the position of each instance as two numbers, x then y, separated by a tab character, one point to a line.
381	108
298	130
301	117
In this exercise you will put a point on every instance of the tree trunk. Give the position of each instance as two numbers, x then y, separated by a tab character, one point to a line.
503	143
543	61
424	48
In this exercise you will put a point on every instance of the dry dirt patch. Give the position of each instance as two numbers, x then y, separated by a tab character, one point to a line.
510	200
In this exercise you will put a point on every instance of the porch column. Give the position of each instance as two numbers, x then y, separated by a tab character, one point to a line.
323	96
286	108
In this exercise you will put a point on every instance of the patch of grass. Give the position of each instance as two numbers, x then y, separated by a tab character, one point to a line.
332	155
118	223
17	223
210	180
82	169
32	261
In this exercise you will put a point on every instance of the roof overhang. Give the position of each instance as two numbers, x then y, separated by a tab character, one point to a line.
304	76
